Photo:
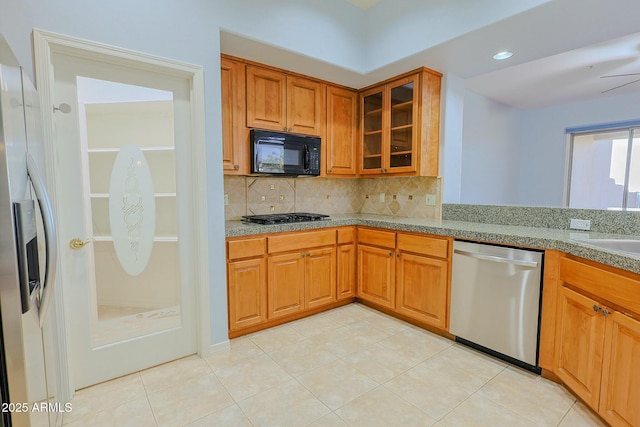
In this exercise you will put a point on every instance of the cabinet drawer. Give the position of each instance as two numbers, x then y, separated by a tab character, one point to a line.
302	240
346	235
246	248
617	289
431	246
384	239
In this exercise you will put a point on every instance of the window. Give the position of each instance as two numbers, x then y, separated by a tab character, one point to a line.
604	171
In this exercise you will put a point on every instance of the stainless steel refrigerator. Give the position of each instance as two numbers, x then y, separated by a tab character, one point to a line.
28	356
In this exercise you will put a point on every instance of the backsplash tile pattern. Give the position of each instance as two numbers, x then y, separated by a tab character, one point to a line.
265	196
235	189
328	196
404	196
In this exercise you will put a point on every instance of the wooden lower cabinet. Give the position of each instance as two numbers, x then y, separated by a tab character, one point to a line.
319	277
597	342
346	277
620	392
247	292
376	275
285	284
422	288
579	345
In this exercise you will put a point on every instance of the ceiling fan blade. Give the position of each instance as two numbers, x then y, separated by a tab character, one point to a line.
617	87
620	75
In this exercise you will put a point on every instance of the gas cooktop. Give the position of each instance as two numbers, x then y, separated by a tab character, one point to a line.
284	218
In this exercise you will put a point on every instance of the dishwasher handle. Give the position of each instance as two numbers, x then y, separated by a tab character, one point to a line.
493	258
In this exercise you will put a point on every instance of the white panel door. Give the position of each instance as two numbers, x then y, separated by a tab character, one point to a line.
122	137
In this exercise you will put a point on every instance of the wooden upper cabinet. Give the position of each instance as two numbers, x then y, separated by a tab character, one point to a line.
279	102
235	142
341	137
400	125
304	106
266	99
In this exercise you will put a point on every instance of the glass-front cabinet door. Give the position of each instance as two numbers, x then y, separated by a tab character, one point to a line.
389	133
372	119
403	115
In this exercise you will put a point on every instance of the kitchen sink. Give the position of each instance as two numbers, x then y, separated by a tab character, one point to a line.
631	246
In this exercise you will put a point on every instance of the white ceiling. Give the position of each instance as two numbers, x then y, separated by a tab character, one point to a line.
561	48
572	76
363	4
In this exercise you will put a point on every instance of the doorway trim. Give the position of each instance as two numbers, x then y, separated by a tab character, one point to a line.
46	44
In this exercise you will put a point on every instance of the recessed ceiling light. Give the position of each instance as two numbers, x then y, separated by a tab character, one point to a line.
503	55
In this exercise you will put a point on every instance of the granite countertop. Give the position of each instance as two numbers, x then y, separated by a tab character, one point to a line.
530	237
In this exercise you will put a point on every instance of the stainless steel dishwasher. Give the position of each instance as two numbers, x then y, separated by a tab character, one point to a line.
495	300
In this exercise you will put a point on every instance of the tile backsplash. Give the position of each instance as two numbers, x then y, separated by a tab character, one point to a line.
400	196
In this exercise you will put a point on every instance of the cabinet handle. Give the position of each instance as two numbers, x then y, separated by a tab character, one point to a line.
302	255
596	308
285	129
390	253
605	312
308	253
329	171
236	167
398	255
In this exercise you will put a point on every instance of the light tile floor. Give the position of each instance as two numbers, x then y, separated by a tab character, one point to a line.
351	366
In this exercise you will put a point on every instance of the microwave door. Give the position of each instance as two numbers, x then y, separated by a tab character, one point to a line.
294	159
270	156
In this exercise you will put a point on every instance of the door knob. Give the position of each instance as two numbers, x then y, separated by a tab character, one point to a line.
77	243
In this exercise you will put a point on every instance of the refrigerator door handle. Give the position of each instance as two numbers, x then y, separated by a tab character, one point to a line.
51	258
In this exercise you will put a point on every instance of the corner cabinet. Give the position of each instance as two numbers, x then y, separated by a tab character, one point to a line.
597	343
400	125
235	135
341	137
281	102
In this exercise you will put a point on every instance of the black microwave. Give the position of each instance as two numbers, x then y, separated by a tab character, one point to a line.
277	153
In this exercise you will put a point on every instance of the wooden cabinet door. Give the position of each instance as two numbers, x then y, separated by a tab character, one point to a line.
305	102
320	277
373	127
620	396
401	150
266	99
341	139
376	275
247	296
235	143
421	285
346	277
579	344
285	284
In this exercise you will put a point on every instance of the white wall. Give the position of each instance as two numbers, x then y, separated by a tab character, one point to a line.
189	30
330	31
451	137
489	152
518	157
543	143
185	31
